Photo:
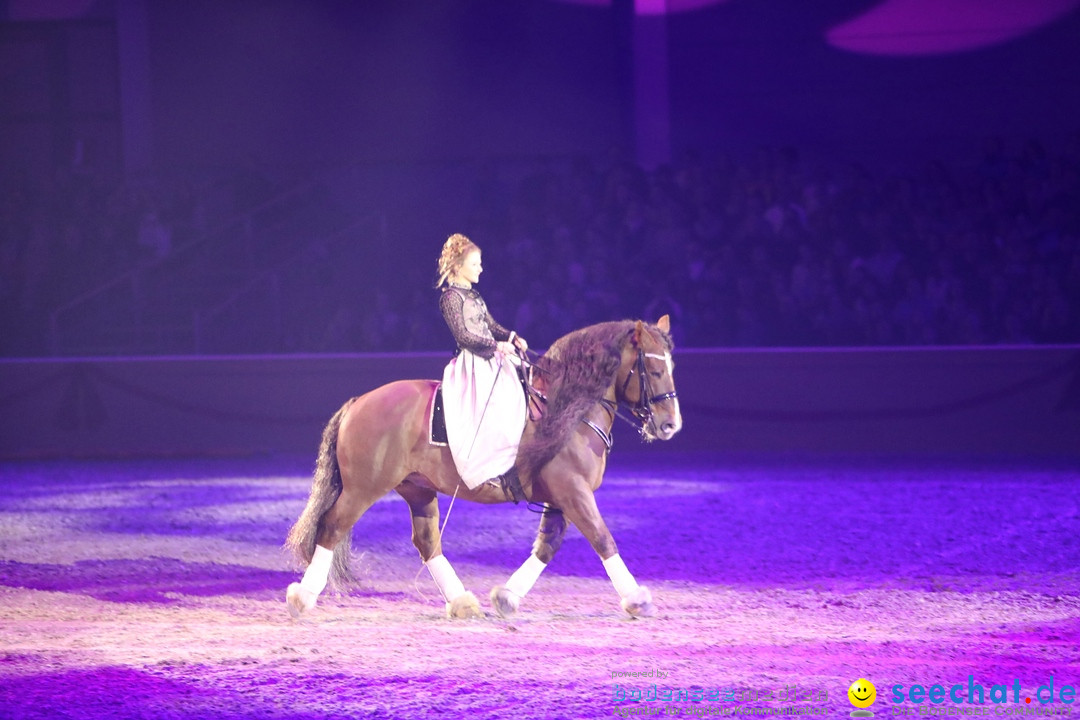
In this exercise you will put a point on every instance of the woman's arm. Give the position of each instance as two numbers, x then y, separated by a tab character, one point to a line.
509	336
498	331
452	305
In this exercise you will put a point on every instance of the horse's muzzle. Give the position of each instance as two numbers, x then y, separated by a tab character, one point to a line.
666	427
667	430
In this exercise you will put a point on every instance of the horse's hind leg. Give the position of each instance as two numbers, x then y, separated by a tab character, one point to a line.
334	527
424	508
549	536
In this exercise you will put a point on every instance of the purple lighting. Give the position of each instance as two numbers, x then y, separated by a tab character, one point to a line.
655	7
933	27
35	10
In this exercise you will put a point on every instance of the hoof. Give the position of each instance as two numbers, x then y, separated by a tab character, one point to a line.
299	600
639	603
505	602
463	607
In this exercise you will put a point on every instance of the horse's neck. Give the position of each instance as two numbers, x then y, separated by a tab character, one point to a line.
542	383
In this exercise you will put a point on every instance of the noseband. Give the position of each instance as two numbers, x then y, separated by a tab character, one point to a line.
641	413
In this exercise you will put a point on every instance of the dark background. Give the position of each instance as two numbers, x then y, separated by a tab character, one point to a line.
306	160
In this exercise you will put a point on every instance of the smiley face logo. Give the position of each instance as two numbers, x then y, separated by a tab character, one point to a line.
862	693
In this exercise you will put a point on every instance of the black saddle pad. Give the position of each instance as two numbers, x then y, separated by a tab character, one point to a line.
438	419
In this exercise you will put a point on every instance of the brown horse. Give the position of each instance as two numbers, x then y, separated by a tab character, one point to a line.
380	442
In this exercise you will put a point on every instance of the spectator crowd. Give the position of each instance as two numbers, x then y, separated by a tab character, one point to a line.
772	252
769	250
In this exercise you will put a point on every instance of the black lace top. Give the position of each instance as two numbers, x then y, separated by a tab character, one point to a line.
467	315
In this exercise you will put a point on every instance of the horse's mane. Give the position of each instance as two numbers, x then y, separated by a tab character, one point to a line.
577	369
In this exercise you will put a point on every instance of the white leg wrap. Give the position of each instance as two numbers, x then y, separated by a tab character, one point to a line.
445	577
624	582
318	570
521	582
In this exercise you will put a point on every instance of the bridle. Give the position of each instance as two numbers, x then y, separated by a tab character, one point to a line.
640	413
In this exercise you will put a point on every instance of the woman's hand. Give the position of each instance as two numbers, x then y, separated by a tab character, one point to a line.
505	348
520	343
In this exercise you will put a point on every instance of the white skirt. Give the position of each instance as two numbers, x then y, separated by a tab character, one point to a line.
485	415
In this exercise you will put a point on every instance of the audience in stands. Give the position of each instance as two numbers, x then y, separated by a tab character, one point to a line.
768	251
771	252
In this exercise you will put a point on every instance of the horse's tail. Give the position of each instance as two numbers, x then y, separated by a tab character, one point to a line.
325	489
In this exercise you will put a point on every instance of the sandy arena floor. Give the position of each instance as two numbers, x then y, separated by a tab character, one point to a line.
155	590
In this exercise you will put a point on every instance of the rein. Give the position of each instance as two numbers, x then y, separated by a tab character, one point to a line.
533	397
637	415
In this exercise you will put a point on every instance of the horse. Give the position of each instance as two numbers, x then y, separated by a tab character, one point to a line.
380	441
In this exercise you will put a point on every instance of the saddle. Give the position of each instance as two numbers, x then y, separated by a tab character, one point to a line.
511	484
437	418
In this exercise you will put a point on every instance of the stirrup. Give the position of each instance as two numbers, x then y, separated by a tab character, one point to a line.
511	485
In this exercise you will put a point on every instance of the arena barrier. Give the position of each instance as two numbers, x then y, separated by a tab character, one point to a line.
994	402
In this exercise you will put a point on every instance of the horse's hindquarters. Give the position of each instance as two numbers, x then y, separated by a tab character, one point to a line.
382	435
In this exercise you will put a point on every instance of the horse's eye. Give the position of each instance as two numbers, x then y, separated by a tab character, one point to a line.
657	373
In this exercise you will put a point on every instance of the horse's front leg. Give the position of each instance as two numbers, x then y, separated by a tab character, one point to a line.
549	536
580	508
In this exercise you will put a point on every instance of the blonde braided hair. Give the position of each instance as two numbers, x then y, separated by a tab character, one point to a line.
453	254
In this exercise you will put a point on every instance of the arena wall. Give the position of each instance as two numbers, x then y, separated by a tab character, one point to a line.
994	402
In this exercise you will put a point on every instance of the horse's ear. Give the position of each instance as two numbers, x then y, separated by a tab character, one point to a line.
639	330
664	323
